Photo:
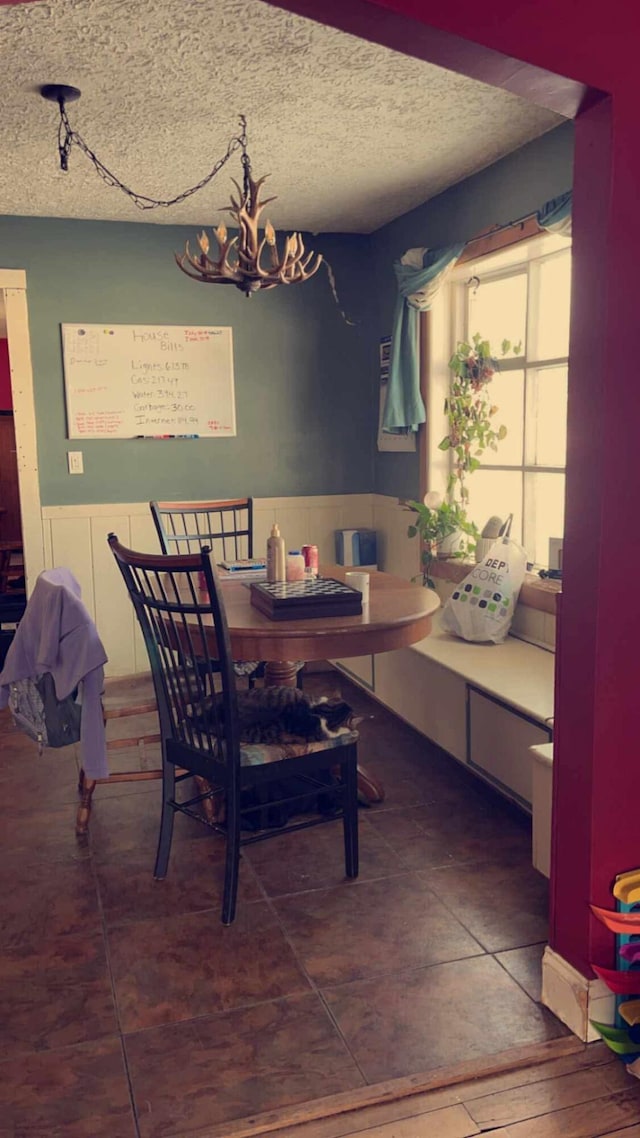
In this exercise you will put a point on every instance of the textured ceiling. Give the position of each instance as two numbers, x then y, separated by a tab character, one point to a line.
352	134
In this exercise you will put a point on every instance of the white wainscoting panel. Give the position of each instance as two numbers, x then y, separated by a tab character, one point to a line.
114	620
397	553
76	536
71	546
312	520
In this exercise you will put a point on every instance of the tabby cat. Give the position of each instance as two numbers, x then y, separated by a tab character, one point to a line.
288	715
274	715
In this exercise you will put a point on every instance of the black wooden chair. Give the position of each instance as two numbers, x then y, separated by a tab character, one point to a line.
225	527
199	722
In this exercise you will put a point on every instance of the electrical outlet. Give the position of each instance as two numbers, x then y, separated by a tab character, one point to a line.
74	459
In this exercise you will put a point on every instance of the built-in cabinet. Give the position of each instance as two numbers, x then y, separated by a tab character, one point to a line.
489	729
498	742
429	697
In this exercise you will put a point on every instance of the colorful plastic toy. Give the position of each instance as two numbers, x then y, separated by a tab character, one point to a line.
623	1037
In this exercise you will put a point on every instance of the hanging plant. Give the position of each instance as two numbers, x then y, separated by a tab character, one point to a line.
470	413
470	410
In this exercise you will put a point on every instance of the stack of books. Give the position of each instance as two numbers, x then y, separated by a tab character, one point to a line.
244	568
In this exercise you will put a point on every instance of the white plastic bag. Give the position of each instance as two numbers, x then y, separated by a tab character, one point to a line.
483	604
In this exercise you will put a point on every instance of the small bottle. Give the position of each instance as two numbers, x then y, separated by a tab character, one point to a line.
276	559
295	566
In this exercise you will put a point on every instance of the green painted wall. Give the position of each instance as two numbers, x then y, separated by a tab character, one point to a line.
305	381
509	189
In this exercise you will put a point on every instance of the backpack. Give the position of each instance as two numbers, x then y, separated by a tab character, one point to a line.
37	711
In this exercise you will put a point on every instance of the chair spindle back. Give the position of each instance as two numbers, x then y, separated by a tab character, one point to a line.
226	527
180	611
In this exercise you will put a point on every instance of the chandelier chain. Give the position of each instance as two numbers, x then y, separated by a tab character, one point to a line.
67	138
238	257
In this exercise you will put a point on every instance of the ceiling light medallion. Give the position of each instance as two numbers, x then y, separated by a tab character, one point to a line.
245	259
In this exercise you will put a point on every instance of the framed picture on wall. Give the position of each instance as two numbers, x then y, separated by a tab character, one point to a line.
388	442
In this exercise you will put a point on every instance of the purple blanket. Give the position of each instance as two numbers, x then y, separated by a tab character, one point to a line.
57	635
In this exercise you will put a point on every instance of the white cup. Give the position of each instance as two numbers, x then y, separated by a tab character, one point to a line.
359	581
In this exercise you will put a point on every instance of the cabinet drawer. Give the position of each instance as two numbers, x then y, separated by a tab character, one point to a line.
499	740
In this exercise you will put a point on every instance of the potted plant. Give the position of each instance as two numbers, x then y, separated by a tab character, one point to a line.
436	522
470	411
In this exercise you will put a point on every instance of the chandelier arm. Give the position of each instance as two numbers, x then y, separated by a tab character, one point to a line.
223	253
205	280
222	268
67	138
300	273
264	274
224	248
213	274
307	260
315	268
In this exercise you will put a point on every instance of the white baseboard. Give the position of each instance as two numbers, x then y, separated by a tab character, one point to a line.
573	998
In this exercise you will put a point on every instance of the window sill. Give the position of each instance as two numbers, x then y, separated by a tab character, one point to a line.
535	593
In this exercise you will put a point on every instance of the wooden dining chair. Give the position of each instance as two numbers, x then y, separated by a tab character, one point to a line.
132	733
226	528
199	718
11	568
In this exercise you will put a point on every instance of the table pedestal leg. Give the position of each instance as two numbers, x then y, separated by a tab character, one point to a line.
282	673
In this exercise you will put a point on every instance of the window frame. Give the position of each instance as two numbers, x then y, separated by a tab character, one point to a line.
449	315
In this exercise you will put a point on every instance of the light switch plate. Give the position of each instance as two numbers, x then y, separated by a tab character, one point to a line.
74	459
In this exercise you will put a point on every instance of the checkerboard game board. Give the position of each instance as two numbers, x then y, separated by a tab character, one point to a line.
313	597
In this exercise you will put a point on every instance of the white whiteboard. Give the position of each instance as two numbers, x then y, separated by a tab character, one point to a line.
148	380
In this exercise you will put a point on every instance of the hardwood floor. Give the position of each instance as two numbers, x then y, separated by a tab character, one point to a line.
587	1094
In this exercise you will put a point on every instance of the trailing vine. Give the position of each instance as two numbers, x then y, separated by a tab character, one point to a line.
470	411
471	417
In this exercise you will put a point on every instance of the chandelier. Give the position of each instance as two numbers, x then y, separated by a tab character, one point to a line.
245	259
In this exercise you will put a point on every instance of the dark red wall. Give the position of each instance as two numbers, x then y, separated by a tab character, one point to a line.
5	377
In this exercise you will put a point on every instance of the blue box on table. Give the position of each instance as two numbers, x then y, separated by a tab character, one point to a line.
356	547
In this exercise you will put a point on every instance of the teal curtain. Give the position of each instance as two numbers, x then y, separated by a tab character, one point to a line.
417	286
555	215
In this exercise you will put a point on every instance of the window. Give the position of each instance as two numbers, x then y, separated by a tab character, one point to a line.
526	302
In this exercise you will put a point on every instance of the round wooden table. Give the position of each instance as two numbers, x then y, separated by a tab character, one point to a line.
398	614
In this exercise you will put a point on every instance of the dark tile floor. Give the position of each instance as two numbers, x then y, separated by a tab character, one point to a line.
126	1009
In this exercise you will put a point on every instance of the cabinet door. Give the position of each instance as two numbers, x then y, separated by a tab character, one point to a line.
426	695
360	667
499	740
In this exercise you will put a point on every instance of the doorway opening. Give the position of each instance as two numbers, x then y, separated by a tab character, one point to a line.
11	550
12	575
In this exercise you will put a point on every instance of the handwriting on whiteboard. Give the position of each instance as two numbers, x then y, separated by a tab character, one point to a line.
130	380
